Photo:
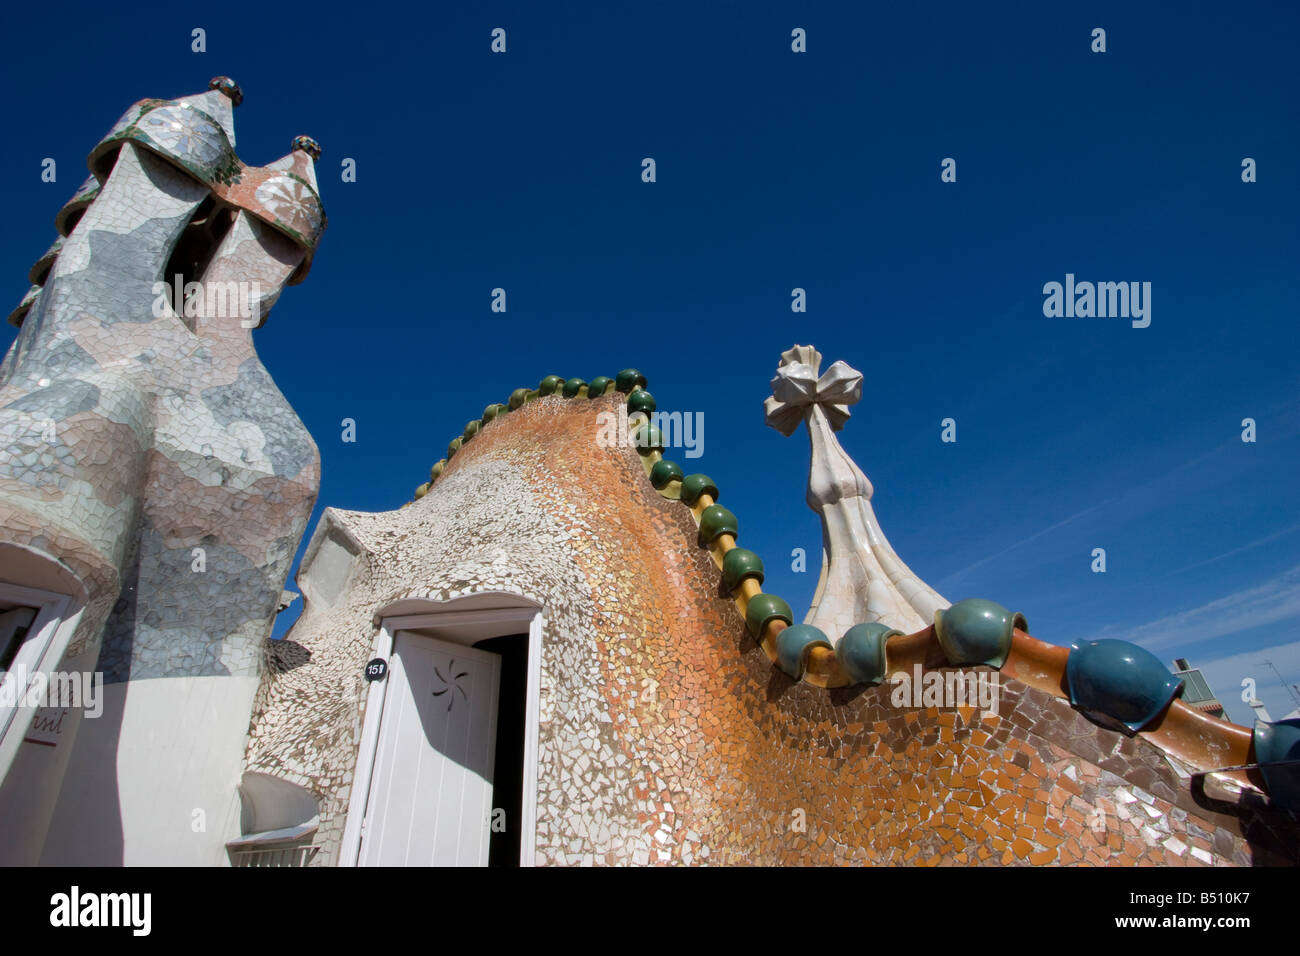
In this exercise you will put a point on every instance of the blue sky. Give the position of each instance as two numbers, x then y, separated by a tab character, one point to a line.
778	170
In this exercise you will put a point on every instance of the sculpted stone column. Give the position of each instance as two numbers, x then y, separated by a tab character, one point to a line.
862	579
145	449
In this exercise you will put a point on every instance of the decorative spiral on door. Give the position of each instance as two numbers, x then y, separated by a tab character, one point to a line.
451	686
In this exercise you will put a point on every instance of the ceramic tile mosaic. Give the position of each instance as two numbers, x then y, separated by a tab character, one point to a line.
129	438
668	737
138	442
146	454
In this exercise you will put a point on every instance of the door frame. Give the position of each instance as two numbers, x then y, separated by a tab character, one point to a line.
465	620
47	638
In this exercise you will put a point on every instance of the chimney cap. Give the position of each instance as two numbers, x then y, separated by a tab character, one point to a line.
226	85
307	145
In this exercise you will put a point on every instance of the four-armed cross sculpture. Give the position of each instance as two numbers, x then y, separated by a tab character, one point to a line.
862	579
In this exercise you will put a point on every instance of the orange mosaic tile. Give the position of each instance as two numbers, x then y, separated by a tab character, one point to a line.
733	762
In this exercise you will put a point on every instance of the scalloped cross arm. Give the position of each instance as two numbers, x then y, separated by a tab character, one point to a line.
796	387
862	579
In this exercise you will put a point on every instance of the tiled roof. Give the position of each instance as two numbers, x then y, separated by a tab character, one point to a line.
1114	681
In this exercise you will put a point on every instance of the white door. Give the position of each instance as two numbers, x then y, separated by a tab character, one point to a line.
430	798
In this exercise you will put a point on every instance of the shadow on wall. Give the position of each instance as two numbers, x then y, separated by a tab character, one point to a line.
1267	847
96	839
284	655
89	832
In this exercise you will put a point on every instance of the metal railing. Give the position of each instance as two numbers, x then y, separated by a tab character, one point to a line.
275	856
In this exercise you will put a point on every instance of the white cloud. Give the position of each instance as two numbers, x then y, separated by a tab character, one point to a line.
1245	547
1132	498
1277	599
957	575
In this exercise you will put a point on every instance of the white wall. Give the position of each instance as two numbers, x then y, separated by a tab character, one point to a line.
186	754
30	788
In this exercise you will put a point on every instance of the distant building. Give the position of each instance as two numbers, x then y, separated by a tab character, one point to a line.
1196	690
1261	712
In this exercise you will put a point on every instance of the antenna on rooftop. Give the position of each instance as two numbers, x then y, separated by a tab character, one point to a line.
1290	689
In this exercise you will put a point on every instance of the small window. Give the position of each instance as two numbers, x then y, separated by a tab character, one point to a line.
1197	688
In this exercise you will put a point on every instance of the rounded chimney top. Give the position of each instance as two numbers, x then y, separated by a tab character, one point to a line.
229	87
307	145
